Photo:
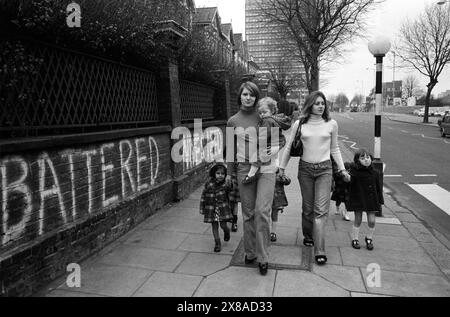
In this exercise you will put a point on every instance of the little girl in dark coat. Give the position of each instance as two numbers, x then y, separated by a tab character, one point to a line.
365	194
215	204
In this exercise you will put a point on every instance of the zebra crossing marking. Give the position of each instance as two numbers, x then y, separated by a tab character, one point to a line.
435	194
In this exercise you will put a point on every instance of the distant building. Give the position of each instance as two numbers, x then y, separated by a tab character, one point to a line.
392	93
444	94
229	49
269	45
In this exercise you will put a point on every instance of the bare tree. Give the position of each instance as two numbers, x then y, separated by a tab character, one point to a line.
341	101
424	43
281	76
410	86
318	28
358	99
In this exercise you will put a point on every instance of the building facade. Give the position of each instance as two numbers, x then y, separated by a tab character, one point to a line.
270	46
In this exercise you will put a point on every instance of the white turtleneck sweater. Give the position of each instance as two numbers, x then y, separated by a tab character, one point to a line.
320	140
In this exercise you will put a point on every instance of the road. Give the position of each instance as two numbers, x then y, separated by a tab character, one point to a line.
417	159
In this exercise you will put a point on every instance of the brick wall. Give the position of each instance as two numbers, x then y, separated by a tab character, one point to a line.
62	203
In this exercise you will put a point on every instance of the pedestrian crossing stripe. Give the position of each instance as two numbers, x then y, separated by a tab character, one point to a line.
434	193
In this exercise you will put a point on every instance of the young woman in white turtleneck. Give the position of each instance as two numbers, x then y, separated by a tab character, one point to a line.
319	135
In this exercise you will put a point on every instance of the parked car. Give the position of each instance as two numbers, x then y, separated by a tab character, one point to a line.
421	112
416	112
444	125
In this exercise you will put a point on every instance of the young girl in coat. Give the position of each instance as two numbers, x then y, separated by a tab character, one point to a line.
215	204
365	194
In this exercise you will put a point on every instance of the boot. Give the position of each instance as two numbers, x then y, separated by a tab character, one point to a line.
217	247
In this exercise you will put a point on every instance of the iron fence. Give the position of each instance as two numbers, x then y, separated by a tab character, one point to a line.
45	88
197	101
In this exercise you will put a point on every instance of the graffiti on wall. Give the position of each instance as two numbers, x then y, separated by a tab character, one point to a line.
195	148
48	190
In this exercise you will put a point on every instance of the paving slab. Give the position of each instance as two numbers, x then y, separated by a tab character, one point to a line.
110	280
411	285
179	224
158	239
337	238
381	241
305	284
202	264
163	284
419	232
280	256
286	256
384	229
190	203
291	222
189	213
286	235
348	278
150	259
392	260
237	282
205	243
440	255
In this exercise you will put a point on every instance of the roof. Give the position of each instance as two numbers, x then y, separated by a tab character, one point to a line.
204	15
227	31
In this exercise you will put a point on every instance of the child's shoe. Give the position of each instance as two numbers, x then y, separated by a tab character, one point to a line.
369	244
345	215
355	244
217	247
226	235
273	237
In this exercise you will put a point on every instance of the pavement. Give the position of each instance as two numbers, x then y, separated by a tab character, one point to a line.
171	255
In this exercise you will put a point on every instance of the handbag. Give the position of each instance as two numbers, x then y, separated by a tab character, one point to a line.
297	145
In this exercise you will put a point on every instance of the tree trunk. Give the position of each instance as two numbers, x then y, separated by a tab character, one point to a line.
427	101
314	76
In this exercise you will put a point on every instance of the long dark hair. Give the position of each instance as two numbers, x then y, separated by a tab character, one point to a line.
254	91
309	103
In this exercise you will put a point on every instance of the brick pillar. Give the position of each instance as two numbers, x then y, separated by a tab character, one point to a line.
169	107
228	99
169	94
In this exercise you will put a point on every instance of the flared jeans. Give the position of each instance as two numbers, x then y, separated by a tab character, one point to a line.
256	204
315	184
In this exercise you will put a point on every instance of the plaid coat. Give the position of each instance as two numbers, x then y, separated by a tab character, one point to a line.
215	203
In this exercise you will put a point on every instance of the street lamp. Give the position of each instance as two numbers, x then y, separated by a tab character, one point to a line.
379	46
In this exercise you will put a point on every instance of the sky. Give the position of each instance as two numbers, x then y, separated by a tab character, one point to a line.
354	74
